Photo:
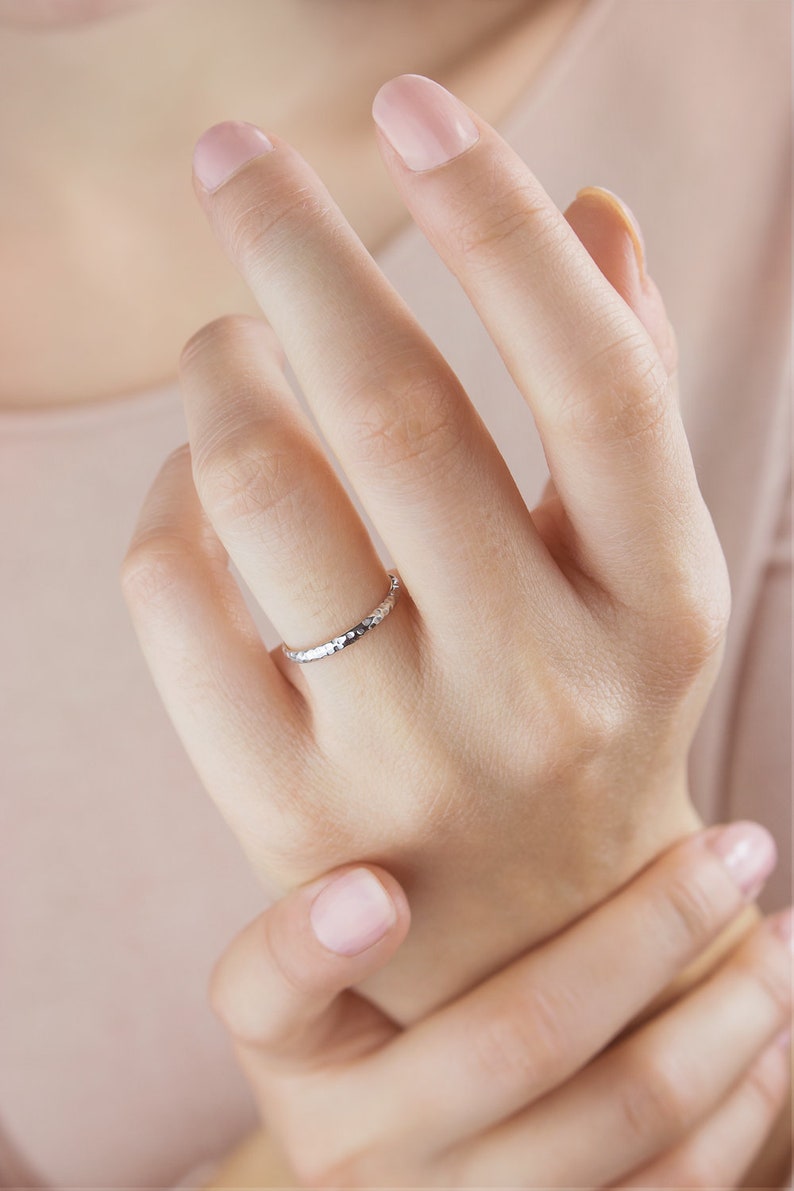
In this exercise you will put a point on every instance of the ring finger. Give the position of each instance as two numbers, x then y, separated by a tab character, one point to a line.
271	491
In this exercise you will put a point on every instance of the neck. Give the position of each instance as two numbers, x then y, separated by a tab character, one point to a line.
101	239
102	102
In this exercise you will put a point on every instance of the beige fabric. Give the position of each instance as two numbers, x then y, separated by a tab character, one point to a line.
119	883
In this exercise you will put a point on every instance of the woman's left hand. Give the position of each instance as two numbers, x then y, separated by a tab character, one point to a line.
515	1084
516	732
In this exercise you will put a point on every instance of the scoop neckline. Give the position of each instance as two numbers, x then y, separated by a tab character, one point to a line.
143	402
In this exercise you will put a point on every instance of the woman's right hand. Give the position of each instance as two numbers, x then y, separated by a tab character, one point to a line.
521	1082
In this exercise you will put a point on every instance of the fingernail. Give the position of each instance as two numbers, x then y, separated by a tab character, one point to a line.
352	913
783	926
627	216
223	148
423	123
748	852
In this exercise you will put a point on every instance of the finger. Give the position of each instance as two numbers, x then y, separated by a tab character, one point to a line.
406	434
597	387
610	233
270	490
217	680
719	1152
530	1027
280	986
650	1091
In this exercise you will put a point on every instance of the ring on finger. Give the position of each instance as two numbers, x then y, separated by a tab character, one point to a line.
371	621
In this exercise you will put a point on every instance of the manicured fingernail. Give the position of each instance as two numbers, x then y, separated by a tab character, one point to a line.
223	148
627	216
748	852
783	927
352	913
423	123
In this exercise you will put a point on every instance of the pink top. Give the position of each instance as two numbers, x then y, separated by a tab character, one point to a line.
119	883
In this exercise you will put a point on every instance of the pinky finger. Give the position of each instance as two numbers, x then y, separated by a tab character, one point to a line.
720	1152
218	682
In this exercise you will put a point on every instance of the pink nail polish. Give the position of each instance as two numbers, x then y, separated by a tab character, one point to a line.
748	852
352	913
223	148
423	123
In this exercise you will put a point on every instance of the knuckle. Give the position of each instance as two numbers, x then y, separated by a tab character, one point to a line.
696	644
405	419
633	401
593	718
684	630
659	1098
526	1045
686	911
499	229
701	624
247	1018
594	726
157	568
160	555
242	481
216	335
514	215
259	229
767	1082
769	967
254	1015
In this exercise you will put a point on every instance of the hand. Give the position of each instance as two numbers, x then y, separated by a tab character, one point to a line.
516	732
516	1083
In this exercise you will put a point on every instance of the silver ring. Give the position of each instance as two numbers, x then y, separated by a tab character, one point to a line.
352	635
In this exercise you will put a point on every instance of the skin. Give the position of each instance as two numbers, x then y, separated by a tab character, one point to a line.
490	1089
294	810
61	14
117	194
576	723
88	196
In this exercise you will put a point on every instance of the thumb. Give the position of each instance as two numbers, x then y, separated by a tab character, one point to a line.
280	988
611	234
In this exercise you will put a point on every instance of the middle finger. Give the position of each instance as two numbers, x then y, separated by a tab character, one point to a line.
391	409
